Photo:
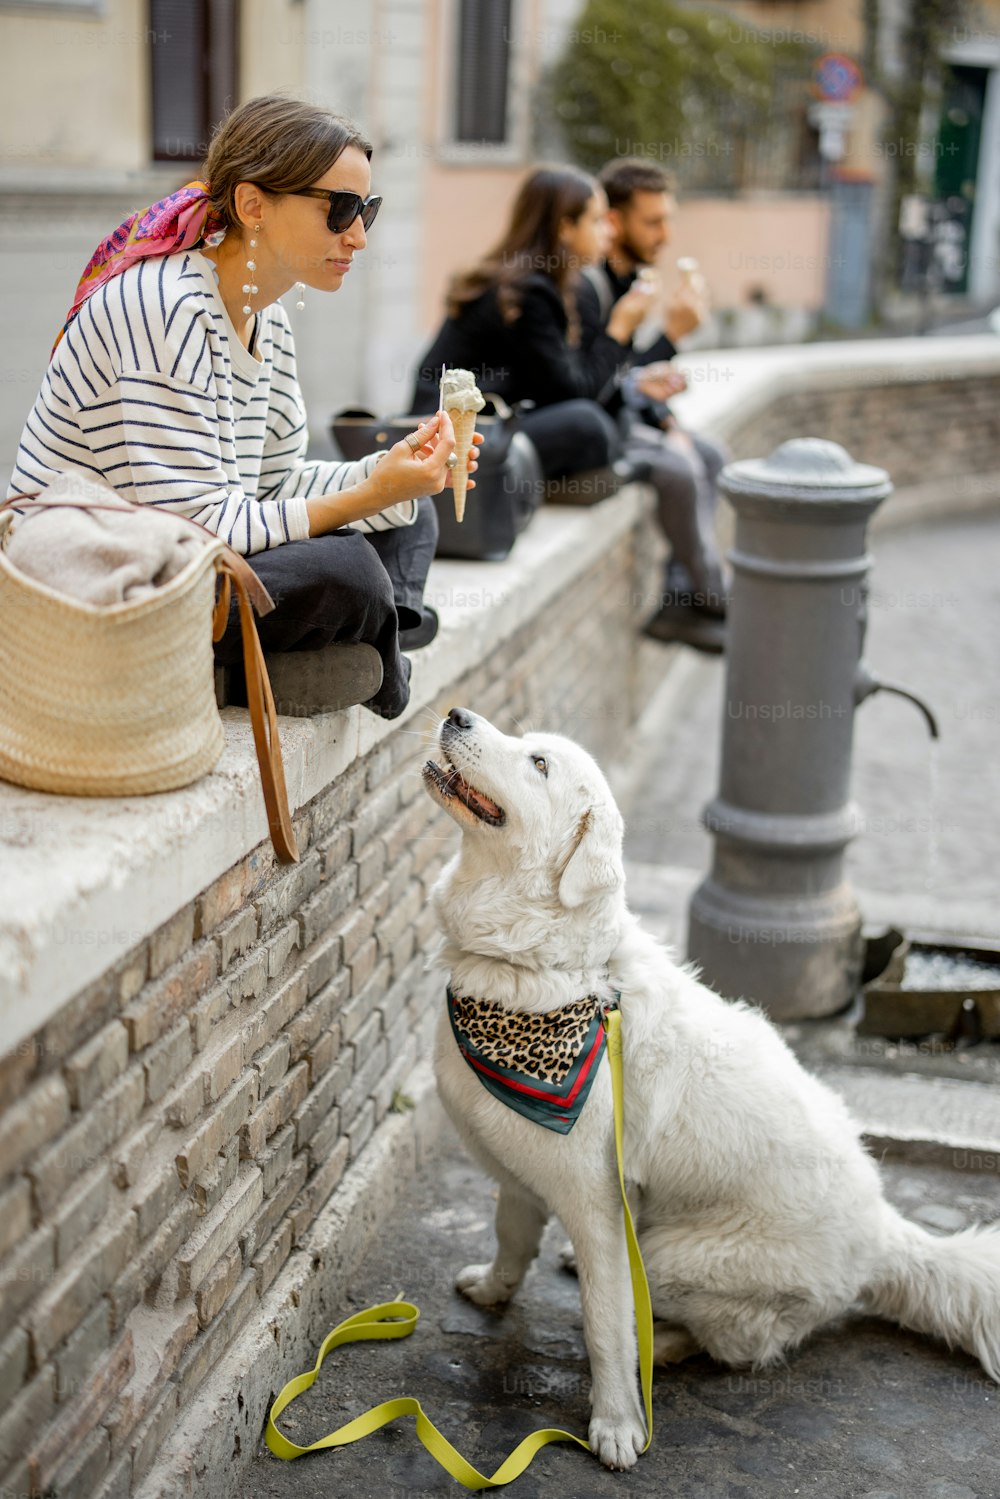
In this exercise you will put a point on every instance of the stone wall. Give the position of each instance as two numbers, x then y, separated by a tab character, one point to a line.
169	1136
939	435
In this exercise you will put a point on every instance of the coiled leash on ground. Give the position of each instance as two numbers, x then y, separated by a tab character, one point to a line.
397	1319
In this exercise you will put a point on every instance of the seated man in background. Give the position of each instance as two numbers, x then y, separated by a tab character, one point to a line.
683	467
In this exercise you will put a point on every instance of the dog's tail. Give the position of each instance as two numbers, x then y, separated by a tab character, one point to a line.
947	1285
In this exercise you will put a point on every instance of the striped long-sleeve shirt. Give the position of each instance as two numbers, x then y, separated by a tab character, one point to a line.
152	390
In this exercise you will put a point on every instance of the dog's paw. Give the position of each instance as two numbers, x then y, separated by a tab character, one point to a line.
616	1443
480	1285
567	1259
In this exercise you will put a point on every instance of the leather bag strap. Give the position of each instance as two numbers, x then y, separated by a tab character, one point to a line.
260	699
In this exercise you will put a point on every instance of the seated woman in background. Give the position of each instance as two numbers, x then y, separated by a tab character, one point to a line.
512	320
174	381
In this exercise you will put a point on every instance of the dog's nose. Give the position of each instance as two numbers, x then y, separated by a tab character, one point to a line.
461	718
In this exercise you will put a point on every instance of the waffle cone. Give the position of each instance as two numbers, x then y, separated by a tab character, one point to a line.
464	423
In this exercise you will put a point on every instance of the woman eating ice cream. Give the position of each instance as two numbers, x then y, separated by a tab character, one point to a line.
174	380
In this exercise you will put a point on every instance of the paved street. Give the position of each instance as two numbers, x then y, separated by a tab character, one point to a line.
863	1411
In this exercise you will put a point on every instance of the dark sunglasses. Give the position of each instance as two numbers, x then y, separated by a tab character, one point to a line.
344	207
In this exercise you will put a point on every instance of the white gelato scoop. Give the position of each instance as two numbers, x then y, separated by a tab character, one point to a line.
459	391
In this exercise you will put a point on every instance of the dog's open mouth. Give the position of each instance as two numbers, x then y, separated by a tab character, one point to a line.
453	786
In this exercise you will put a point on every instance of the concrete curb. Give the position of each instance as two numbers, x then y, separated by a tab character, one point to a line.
216	1438
924	1120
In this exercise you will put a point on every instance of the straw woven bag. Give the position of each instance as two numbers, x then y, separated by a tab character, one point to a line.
120	700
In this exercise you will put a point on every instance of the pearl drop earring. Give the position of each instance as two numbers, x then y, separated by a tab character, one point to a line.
300	304
248	287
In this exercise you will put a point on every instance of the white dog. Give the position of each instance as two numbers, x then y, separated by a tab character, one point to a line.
760	1216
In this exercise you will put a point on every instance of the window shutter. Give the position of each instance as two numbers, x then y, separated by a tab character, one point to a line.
177	42
483	65
193	44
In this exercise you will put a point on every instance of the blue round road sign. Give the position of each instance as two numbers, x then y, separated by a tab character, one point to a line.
837	77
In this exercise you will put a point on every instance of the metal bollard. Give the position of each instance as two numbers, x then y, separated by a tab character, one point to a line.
776	921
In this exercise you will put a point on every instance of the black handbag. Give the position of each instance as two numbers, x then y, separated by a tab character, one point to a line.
510	484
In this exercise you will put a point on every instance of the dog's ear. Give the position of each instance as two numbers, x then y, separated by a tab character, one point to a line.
595	863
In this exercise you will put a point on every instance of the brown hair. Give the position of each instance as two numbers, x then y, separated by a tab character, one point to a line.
281	144
620	179
530	243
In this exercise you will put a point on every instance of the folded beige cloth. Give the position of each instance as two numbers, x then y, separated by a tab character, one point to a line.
100	556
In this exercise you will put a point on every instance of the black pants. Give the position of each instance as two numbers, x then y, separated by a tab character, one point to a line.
572	436
347	587
684	468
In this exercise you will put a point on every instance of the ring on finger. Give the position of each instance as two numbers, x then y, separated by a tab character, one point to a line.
413	441
451	461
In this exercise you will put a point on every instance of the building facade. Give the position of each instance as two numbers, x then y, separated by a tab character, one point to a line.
110	104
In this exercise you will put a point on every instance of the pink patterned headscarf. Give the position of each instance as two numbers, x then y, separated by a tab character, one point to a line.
175	223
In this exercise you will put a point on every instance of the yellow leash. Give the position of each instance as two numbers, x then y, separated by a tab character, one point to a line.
397	1319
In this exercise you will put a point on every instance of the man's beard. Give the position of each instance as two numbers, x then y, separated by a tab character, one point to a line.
628	249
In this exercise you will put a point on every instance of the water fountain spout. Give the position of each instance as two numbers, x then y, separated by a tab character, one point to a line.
866	683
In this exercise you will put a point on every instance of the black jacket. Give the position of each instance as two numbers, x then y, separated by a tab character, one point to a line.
529	359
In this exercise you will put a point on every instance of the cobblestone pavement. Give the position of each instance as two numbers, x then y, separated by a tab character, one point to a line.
862	1411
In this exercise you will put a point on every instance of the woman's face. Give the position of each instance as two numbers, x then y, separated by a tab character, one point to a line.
296	233
586	240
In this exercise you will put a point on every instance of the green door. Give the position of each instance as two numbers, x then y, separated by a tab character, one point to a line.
957	163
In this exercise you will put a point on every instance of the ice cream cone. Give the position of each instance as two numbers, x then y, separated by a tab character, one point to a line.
464	423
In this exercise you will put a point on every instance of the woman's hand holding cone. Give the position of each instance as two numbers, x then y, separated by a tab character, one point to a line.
411	468
470	464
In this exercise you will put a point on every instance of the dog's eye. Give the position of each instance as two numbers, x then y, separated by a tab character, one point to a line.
541	764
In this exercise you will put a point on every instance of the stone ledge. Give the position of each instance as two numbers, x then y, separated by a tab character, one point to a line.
728	387
929	1119
85	880
922	504
42	185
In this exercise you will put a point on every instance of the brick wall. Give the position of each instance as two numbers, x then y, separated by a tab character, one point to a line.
920	431
168	1138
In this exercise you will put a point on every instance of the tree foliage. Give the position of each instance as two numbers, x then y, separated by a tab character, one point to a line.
659	79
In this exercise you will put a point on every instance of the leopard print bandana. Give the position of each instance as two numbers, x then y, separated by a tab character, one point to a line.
543	1066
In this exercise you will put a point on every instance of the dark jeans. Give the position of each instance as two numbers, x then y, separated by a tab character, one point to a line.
572	436
347	587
